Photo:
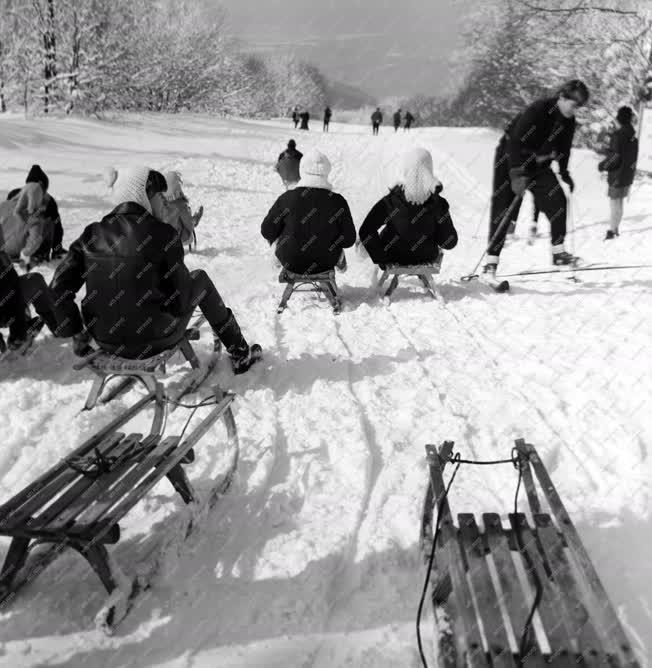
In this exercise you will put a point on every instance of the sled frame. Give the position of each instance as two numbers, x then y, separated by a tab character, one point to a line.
106	366
67	508
424	272
323	282
473	606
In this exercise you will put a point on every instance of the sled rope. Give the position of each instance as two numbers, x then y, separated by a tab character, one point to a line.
456	459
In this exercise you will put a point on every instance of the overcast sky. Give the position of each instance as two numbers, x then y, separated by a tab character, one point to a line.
387	48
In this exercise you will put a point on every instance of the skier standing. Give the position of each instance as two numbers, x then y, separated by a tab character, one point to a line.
542	132
397	120
327	118
620	165
376	120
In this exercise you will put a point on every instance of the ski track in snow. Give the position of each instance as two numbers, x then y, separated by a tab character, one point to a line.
312	557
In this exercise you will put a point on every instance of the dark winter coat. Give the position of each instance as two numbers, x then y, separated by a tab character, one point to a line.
377	117
327	115
305	117
138	290
311	227
409	118
398	232
287	165
397	119
538	130
620	161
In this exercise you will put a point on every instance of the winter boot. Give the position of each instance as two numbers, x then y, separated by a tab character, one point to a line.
81	344
242	359
610	235
564	259
489	270
21	344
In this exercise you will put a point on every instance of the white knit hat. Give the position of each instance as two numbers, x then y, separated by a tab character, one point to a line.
314	169
129	185
417	177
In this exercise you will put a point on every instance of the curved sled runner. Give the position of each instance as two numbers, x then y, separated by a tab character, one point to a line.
482	605
424	272
80	501
108	365
324	283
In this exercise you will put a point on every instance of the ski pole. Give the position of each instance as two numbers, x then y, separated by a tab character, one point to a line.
571	215
499	229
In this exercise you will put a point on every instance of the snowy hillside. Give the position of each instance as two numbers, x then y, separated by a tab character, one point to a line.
312	559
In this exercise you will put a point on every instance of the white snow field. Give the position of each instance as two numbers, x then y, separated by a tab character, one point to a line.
312	558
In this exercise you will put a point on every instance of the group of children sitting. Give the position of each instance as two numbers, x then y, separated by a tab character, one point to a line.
140	295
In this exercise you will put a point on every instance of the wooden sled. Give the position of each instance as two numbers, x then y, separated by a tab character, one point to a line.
323	282
475	604
80	501
107	365
424	272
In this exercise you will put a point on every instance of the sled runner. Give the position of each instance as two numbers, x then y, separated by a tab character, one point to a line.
107	365
80	501
323	282
476	605
423	272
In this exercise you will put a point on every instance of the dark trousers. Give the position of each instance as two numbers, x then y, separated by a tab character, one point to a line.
221	319
17	293
326	126
374	128
548	195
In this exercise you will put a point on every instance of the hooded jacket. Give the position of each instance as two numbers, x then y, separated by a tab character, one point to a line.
138	289
396	231
311	227
22	225
620	161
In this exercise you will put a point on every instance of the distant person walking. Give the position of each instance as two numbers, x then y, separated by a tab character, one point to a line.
295	117
376	120
620	165
327	118
305	117
409	119
397	120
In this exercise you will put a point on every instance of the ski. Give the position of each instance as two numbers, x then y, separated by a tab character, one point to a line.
495	284
588	267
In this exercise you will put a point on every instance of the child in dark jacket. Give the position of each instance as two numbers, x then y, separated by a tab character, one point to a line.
412	222
620	165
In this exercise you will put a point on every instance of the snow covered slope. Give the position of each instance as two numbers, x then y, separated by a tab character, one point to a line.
312	559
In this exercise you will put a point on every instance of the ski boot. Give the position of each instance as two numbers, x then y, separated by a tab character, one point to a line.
242	363
489	271
564	259
81	344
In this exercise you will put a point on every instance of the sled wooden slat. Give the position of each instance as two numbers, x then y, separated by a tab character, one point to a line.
424	272
68	479
470	644
515	604
323	282
486	596
579	620
550	609
413	270
105	485
607	620
82	450
79	489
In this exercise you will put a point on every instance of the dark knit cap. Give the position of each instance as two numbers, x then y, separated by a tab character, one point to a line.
37	175
575	90
624	115
292	144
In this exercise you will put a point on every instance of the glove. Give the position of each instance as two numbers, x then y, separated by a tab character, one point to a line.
519	180
566	178
81	344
